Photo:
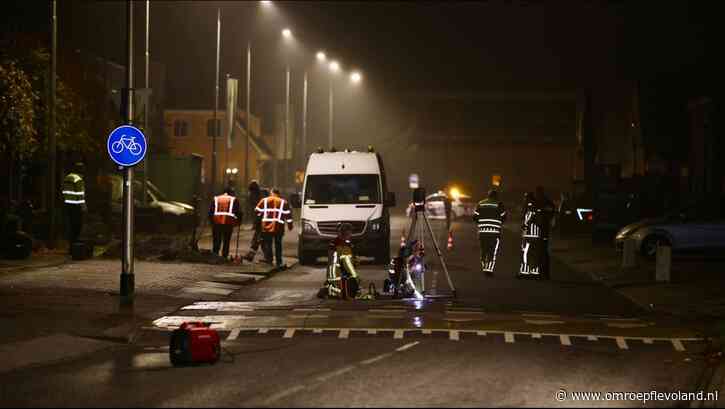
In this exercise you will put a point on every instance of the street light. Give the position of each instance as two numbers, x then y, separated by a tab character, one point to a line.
321	57
287	33
266	3
334	66
355	77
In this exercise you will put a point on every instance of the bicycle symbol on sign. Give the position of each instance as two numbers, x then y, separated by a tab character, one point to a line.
127	143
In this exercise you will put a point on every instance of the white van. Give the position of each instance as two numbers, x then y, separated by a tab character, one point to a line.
346	187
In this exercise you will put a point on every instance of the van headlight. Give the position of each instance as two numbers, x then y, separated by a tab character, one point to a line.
376	225
308	226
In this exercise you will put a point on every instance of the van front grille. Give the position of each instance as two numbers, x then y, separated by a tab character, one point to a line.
329	228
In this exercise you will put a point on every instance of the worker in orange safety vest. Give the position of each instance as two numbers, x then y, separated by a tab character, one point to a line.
276	214
224	214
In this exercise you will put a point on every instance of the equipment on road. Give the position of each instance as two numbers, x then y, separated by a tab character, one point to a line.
416	244
194	343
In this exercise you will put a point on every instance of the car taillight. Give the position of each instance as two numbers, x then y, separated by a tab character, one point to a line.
590	217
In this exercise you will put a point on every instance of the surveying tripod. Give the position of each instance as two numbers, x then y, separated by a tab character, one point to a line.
418	229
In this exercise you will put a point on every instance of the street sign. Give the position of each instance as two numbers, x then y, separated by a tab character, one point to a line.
413	181
126	145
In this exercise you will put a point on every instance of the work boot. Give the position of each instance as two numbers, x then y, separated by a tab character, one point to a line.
250	256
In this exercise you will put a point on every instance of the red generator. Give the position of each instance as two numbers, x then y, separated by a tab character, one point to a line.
194	343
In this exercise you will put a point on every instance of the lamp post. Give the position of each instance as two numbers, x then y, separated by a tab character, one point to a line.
144	198
287	35
216	104
52	201
334	68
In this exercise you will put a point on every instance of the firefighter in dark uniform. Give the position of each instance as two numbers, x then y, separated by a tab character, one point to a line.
489	217
224	214
536	229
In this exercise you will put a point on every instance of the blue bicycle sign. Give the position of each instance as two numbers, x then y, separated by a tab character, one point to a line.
126	145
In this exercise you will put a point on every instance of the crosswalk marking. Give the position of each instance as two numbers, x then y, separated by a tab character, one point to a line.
453	335
233	335
344	334
678	345
508	337
565	340
398	334
289	333
621	343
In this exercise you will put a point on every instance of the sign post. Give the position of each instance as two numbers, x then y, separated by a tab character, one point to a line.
126	146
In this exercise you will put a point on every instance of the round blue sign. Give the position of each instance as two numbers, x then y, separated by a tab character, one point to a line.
126	145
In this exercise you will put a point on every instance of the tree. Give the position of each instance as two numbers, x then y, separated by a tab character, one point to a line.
18	136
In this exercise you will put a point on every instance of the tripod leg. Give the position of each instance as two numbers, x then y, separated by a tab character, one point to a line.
440	255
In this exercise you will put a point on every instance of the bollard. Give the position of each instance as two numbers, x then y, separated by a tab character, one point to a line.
629	254
663	263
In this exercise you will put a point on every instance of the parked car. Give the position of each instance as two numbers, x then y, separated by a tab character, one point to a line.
177	214
435	206
574	215
698	227
463	206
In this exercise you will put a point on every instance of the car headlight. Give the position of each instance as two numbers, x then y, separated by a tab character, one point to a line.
308	226
376	225
623	234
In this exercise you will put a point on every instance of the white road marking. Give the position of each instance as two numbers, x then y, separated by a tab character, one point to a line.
263	330
509	337
376	359
464	312
592	338
407	346
310	309
335	374
372	332
233	335
398	334
301	317
206	290
427	332
481	333
621	343
453	335
536	335
214	284
538	315
625	325
565	340
289	333
678	345
647	340
344	334
283	394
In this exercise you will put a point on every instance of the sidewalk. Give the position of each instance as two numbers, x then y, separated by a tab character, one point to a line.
51	300
695	291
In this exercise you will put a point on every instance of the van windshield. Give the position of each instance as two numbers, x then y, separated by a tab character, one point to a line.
342	189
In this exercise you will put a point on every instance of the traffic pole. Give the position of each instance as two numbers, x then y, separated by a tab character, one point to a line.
127	274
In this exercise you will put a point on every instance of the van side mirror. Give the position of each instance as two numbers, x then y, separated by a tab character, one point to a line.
296	201
389	199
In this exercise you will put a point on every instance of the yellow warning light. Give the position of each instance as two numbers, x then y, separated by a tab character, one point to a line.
455	193
496	180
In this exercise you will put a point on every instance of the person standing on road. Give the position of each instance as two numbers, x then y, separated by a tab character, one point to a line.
254	195
535	237
275	213
449	209
224	214
489	216
257	226
74	198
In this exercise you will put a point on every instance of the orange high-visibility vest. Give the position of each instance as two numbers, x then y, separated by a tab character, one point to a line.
223	206
274	215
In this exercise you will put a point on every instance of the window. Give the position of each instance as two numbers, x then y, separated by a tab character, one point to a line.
342	189
180	128
210	127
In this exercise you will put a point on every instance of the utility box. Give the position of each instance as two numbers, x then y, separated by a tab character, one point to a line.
663	263
629	254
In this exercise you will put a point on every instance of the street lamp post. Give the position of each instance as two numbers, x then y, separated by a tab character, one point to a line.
304	120
248	116
52	201
127	266
147	131
216	104
334	68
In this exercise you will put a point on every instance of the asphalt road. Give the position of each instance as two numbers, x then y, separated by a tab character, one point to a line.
502	342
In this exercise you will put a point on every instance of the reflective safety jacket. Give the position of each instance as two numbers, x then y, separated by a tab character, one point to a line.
275	213
537	219
74	190
489	217
225	210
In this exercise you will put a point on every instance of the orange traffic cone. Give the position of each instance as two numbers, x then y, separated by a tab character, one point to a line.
450	241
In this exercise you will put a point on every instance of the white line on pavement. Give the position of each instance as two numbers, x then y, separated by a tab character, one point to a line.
344	334
398	334
536	335
289	333
233	335
509	337
621	343
565	340
407	346
283	393
335	374
678	345
453	335
591	338
647	340
376	359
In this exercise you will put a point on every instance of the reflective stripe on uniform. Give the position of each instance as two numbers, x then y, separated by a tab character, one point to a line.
73	192
74	201
227	213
